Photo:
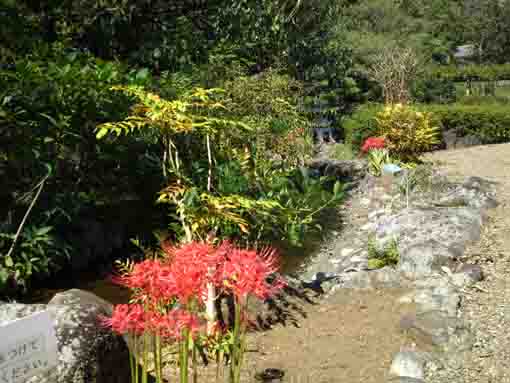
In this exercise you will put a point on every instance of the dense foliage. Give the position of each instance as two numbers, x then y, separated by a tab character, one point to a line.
361	125
54	96
243	83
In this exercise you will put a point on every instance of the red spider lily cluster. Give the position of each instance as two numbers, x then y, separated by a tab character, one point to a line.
134	319
373	143
181	280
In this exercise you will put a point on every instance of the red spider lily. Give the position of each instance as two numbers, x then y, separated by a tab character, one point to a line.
246	272
172	325
196	264
189	322
201	254
373	143
127	319
191	282
152	280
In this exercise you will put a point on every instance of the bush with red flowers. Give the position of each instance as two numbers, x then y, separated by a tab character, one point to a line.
173	296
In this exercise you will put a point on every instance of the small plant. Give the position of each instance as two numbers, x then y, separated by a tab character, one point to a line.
377	158
379	258
408	132
377	154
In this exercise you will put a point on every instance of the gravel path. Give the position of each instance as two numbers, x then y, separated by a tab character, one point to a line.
487	306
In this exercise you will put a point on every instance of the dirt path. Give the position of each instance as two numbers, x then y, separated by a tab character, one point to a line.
352	337
487	309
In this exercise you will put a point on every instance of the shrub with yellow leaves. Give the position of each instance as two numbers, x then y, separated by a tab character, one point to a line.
407	131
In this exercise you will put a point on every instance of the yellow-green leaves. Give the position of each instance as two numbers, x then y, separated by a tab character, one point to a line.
407	131
196	111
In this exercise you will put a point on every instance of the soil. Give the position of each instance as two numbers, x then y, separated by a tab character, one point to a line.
351	337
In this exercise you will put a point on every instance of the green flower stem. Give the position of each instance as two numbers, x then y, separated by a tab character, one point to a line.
157	359
219	365
132	359
135	355
238	344
184	356
194	361
145	372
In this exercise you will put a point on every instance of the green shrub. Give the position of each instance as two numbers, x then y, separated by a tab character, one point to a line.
433	90
377	158
472	72
408	132
37	252
50	101
361	125
483	100
489	122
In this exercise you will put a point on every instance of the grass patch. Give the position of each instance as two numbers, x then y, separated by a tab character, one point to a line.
387	256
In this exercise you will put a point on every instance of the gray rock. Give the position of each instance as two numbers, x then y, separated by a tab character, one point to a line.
429	238
463	279
87	352
346	252
450	138
407	364
81	297
368	227
347	170
475	192
423	258
375	214
453	139
436	293
386	277
438	329
474	272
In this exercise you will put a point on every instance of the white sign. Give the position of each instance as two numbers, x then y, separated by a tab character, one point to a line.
28	347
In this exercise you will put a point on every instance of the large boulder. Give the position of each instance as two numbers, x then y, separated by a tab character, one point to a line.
452	227
87	352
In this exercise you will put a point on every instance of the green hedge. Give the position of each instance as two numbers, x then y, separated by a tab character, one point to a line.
473	72
490	122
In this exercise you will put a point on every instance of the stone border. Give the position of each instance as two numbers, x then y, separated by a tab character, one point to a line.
432	236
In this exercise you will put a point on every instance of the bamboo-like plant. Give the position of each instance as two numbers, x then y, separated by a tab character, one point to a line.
199	208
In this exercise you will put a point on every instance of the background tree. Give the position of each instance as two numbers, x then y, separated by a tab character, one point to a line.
395	70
